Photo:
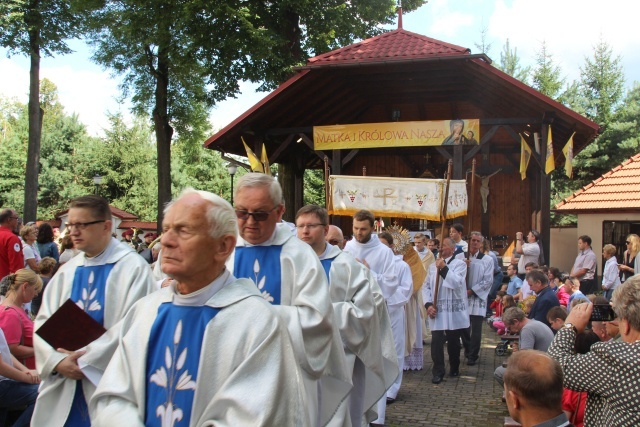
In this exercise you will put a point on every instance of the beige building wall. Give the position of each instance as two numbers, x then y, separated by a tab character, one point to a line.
563	248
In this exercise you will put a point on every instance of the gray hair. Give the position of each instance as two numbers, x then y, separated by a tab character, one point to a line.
626	301
221	217
477	234
511	314
260	180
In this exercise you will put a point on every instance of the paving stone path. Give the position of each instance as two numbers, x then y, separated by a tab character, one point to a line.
473	399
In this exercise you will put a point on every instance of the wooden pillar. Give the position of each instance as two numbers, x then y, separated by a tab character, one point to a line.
286	178
545	199
336	169
458	172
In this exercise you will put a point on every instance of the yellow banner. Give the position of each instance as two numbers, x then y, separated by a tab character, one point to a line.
397	134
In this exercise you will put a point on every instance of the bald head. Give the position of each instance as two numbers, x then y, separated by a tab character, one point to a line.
335	237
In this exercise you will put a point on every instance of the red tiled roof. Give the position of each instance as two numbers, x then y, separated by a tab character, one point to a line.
394	45
123	215
139	224
618	189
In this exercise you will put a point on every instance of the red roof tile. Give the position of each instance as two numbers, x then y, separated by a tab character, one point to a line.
123	215
618	189
394	45
152	226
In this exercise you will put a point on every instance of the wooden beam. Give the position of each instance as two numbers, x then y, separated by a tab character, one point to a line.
444	153
276	155
349	156
484	140
321	154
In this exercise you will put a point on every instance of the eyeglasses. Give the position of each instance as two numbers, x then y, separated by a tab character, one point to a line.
81	225
258	216
309	226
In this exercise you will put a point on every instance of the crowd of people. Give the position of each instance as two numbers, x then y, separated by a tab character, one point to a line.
234	317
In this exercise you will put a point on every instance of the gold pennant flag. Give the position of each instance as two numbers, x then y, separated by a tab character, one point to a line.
568	154
550	164
525	156
254	162
265	161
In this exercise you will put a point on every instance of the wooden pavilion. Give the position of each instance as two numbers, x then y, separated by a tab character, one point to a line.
404	76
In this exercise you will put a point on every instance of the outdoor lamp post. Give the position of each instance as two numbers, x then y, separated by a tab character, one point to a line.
97	181
231	168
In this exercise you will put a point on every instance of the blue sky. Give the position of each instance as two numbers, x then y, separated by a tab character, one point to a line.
570	28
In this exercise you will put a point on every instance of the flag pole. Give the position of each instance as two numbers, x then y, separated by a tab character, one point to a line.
326	181
443	212
471	209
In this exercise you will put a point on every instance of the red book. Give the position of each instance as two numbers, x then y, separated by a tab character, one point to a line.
70	328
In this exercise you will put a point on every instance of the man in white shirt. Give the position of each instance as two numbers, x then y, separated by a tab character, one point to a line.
529	252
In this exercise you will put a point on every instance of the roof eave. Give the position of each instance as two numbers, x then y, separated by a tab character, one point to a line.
392	61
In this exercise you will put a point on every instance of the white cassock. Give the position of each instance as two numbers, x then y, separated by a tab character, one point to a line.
289	275
380	260
396	305
452	311
232	364
357	318
124	277
389	357
480	282
416	315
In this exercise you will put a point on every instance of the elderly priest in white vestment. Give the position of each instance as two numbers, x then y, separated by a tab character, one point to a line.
290	276
207	350
105	280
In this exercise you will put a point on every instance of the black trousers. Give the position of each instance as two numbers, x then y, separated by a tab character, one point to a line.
589	286
437	350
472	337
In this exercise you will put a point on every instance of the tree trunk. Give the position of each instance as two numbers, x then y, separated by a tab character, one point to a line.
164	133
35	131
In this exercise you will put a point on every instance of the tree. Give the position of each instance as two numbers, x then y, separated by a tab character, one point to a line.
510	63
483	46
179	58
314	192
602	83
546	75
32	27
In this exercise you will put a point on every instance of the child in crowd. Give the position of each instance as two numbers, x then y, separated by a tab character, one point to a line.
497	308
556	317
507	302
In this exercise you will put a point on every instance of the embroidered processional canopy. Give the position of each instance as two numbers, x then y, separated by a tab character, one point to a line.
395	197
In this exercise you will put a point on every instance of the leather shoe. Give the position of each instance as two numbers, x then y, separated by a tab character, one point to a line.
390	400
472	362
436	379
454	373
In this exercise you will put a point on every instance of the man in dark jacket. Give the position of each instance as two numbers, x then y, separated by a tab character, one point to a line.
545	297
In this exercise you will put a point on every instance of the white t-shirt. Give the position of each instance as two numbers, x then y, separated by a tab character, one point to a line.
4	353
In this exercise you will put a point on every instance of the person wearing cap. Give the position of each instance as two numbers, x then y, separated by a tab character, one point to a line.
148	238
127	235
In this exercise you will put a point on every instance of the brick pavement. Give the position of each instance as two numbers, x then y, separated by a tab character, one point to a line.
473	399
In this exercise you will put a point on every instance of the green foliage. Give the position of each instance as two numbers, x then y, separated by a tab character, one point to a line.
546	74
510	63
313	185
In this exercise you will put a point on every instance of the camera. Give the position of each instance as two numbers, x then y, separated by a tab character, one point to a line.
602	313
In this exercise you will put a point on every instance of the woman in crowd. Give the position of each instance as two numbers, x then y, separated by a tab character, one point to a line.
18	386
46	244
610	274
29	233
68	250
629	257
610	372
14	321
47	269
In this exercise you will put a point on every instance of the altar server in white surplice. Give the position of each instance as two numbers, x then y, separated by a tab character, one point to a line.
105	280
367	249
289	275
396	306
207	349
449	316
355	313
479	282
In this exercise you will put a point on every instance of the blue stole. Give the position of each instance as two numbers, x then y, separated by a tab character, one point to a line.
326	264
88	291
261	264
173	359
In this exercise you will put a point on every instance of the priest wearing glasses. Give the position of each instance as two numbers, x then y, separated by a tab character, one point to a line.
289	275
105	280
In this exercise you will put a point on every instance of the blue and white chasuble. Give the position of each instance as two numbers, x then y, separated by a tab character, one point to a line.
88	293
261	264
172	363
326	264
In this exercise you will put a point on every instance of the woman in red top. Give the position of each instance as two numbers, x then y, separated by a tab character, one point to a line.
19	289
